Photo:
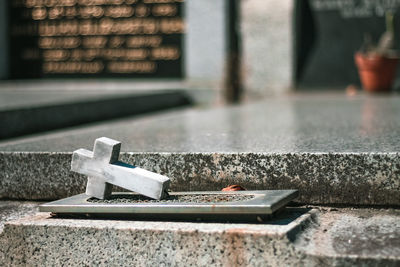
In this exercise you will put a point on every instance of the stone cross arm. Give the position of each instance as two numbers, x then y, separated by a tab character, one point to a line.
104	170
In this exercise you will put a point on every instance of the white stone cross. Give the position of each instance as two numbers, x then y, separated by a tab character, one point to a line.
104	170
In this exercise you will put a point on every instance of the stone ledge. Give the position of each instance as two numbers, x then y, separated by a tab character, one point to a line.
322	178
334	149
71	109
12	210
348	237
47	241
337	237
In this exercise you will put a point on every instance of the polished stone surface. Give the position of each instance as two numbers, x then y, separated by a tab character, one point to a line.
26	111
33	93
333	148
17	99
297	124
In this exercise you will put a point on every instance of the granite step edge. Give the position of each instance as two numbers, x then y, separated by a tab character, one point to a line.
322	178
40	239
309	239
352	236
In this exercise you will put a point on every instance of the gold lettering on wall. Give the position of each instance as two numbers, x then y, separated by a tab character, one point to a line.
100	36
164	10
143	41
59	42
128	67
73	67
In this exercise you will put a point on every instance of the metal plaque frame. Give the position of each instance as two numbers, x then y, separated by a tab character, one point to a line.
264	202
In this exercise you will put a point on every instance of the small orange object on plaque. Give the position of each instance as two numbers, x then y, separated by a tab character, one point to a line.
234	187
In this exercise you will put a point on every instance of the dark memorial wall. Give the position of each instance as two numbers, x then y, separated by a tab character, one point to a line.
96	38
329	32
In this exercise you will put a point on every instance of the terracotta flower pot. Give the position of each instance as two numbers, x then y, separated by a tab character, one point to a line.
376	72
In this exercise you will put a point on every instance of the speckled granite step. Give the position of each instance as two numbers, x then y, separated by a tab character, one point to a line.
333	148
12	210
297	237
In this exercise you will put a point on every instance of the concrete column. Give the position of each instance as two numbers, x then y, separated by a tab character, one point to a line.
266	30
205	41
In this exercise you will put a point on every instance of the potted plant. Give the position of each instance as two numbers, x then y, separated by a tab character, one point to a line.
377	64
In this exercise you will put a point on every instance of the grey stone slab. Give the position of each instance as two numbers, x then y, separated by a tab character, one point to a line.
28	111
333	148
13	210
298	124
296	237
49	241
11	99
16	94
353	237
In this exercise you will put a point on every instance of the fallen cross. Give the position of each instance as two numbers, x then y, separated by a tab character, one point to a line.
104	170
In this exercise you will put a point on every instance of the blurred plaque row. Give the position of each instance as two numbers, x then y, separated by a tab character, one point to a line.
96	38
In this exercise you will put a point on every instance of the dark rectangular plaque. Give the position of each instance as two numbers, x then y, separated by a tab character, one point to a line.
96	38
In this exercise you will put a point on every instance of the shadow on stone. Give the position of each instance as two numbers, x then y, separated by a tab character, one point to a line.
280	218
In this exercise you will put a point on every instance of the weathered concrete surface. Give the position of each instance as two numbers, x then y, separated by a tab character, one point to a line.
12	210
332	148
45	241
340	237
297	237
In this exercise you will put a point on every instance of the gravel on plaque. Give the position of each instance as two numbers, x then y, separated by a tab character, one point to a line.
189	198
